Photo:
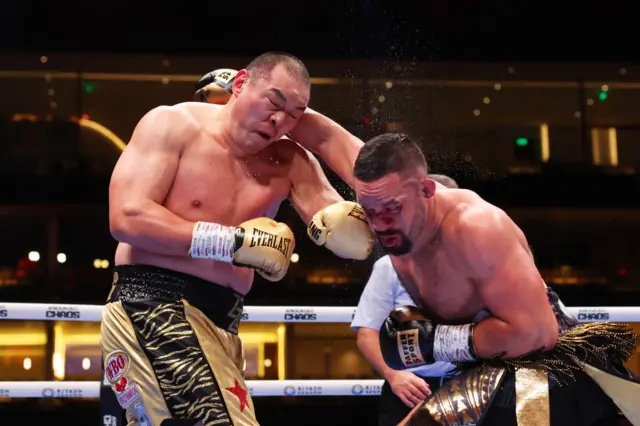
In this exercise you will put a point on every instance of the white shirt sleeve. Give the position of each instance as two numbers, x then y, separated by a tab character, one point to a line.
378	297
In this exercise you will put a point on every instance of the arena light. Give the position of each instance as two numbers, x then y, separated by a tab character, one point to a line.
61	257
100	263
34	256
85	122
59	351
295	257
111	137
544	143
26	364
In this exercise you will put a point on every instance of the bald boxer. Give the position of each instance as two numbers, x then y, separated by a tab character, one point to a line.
214	87
482	302
191	203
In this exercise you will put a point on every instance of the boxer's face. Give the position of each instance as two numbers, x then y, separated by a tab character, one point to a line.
268	108
395	210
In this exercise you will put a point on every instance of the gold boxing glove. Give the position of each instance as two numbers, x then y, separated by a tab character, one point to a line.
343	229
215	87
262	244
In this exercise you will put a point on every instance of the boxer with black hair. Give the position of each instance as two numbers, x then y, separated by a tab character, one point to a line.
403	388
482	305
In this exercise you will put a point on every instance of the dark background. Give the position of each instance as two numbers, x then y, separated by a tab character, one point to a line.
429	32
588	31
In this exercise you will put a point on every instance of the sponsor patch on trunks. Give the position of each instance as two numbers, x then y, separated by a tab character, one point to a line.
128	395
116	366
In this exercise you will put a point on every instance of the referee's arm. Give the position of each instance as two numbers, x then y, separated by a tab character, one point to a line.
375	305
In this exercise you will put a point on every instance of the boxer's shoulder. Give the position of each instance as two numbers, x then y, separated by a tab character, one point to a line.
169	126
199	113
286	150
479	218
473	222
479	232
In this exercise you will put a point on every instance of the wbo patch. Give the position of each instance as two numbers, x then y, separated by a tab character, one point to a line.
115	368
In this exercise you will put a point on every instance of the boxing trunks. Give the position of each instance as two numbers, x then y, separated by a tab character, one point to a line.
171	349
581	382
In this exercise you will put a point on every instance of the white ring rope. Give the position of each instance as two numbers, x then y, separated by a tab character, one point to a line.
320	314
335	314
256	388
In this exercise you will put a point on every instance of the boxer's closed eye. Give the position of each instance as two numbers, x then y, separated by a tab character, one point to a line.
282	108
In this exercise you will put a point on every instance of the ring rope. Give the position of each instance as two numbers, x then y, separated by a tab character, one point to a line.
86	389
326	314
320	314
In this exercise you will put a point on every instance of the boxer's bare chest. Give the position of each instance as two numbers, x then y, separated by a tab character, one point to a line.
440	285
212	185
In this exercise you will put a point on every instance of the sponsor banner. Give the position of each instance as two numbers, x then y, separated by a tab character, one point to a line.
333	314
593	315
50	312
255	387
50	389
314	387
320	314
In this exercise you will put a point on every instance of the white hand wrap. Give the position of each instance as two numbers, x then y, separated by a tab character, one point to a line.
213	241
453	343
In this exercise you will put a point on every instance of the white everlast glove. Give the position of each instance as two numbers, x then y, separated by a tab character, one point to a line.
261	243
343	229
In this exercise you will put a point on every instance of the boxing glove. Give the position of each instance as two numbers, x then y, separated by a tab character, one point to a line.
408	338
343	229
215	87
262	244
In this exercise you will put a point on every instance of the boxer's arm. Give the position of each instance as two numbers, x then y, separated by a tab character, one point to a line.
338	225
509	286
330	141
141	180
310	188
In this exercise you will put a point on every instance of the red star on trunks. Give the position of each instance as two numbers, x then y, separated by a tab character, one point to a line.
241	393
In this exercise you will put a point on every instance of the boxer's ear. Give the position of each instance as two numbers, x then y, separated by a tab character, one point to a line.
241	79
428	187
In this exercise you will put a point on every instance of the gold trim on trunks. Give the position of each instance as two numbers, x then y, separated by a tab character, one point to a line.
463	399
532	397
